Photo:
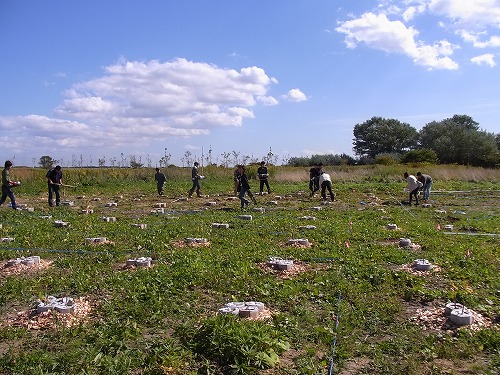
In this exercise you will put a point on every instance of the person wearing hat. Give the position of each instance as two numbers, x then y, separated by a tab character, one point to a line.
196	181
263	177
7	185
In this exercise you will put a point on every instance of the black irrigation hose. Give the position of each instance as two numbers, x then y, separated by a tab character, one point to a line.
330	371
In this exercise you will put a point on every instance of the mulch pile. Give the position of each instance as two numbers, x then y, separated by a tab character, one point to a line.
433	319
23	269
31	320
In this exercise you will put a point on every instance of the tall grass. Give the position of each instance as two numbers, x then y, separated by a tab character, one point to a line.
92	176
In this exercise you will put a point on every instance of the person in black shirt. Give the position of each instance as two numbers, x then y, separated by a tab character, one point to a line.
160	180
244	188
54	180
263	177
314	174
7	184
196	181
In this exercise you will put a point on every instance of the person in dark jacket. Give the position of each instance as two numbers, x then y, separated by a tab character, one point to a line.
7	184
244	188
196	181
236	179
314	174
160	180
263	177
54	181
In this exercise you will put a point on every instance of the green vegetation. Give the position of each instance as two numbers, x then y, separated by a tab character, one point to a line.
163	319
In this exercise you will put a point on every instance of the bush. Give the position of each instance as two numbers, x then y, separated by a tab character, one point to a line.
420	156
239	345
387	159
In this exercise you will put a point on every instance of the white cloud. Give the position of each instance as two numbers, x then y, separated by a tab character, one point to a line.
378	32
267	100
487	59
295	95
136	103
309	152
475	39
473	13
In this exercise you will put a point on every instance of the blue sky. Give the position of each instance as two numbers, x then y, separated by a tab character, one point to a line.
98	79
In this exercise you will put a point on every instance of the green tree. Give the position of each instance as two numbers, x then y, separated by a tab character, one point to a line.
47	162
379	135
459	140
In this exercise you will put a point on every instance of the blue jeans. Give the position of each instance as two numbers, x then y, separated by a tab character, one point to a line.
196	186
427	190
244	201
7	192
54	189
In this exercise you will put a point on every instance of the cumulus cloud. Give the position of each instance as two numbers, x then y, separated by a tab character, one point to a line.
486	59
471	13
295	95
378	32
475	39
267	100
390	28
138	102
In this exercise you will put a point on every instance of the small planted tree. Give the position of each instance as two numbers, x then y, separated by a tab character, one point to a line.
47	162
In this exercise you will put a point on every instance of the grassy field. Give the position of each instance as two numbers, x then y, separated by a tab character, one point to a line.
351	304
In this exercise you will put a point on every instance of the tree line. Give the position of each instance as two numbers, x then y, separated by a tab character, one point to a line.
455	140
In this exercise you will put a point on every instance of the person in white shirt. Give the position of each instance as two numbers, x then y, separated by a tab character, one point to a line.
413	186
326	183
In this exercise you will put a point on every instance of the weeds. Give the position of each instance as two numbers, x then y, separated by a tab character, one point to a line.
163	319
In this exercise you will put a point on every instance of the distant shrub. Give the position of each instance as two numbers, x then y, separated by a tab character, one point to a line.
420	156
387	159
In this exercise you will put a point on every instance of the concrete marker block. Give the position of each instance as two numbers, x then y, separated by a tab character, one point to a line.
449	307
462	317
245	217
404	242
422	264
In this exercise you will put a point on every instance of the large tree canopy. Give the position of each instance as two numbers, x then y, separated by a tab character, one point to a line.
379	135
459	140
